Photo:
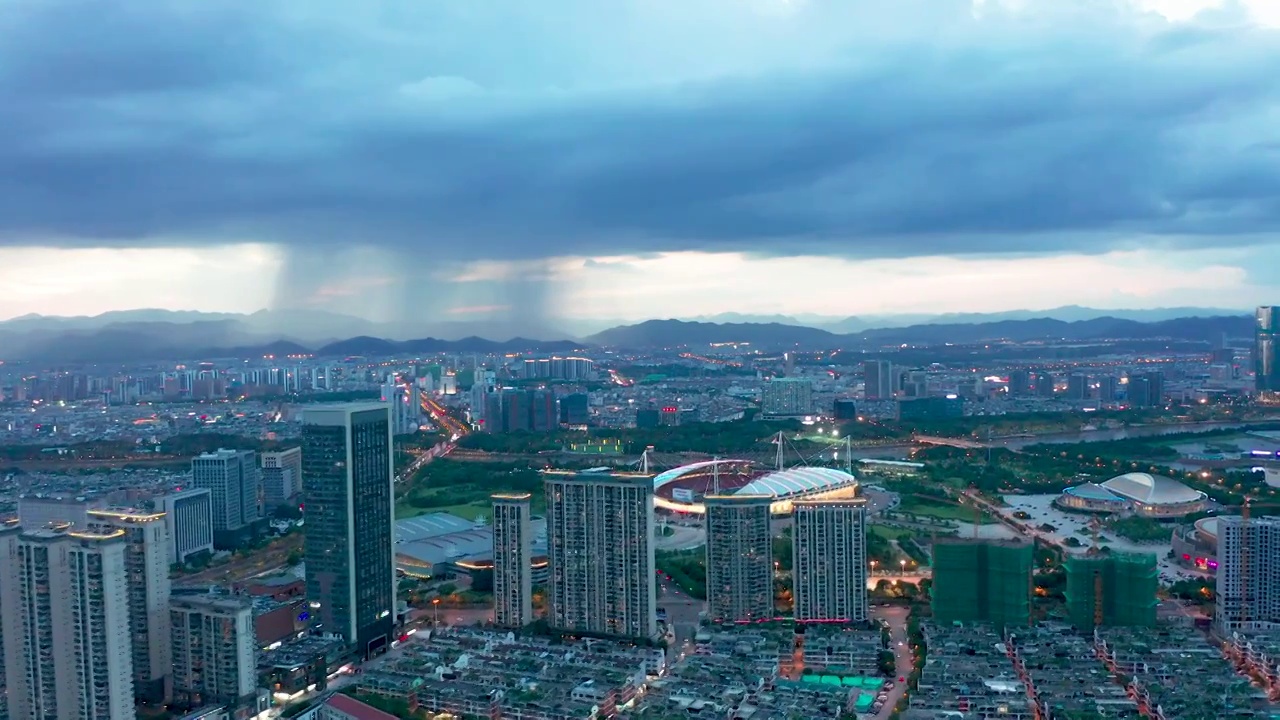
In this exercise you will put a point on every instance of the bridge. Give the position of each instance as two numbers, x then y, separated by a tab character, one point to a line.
951	442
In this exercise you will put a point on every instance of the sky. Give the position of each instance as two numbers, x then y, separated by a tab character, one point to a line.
638	158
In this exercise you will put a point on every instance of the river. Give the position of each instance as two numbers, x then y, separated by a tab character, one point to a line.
1066	438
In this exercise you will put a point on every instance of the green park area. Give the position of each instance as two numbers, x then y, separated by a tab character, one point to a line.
464	488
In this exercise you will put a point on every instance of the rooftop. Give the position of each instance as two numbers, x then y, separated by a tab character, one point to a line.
798	481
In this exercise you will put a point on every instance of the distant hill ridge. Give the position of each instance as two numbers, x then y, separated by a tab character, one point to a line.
75	340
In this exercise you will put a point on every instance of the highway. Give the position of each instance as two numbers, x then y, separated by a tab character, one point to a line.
451	425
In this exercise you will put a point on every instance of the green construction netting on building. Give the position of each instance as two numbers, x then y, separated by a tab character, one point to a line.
1126	583
982	581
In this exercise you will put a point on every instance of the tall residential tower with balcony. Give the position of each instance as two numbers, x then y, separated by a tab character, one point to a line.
739	558
829	563
512	556
147	574
67	653
600	545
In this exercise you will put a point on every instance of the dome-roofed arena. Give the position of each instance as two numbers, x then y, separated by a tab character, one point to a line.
682	489
1154	496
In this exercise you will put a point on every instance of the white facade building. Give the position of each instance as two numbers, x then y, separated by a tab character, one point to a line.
1248	580
600	545
829	564
233	479
68	654
188	517
281	477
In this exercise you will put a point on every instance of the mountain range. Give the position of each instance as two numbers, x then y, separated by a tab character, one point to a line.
160	334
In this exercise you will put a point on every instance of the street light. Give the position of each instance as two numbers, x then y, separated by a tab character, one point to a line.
435	608
903	564
873	567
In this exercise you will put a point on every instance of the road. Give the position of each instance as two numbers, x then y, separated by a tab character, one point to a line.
451	425
683	611
896	616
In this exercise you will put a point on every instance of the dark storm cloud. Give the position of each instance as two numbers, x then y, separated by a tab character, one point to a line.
831	127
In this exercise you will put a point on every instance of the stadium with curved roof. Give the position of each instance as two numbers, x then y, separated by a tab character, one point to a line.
682	489
1154	496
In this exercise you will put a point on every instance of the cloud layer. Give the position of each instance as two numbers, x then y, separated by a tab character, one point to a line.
587	127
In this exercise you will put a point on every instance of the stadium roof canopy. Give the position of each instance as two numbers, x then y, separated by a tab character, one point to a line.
798	481
1152	489
669	476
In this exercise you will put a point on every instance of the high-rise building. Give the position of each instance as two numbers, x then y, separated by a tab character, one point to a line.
67	654
188	517
1266	366
1107	389
575	409
233	480
739	558
1077	387
877	379
542	411
600	546
10	619
1112	590
982	581
146	564
512	558
281	477
214	652
350	541
1146	389
1046	384
787	397
1020	382
1248	581
844	409
829	559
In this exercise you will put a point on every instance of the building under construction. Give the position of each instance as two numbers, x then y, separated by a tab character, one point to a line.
982	581
1111	590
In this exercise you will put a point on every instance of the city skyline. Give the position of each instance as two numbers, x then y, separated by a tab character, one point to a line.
820	157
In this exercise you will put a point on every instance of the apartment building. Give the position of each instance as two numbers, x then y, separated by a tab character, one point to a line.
147	579
600	546
1248	580
214	652
829	564
739	558
512	558
67	654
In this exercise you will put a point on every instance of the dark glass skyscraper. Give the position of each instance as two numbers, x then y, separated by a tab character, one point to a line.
1265	367
350	540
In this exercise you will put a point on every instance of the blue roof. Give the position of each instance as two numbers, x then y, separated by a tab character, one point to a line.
798	481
